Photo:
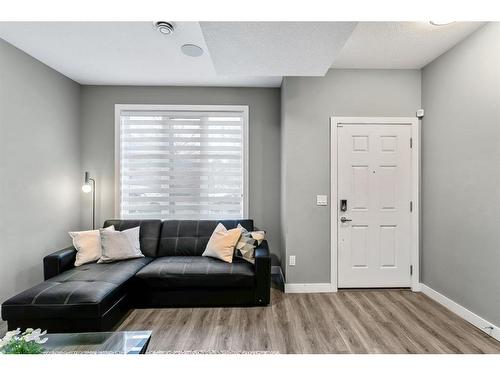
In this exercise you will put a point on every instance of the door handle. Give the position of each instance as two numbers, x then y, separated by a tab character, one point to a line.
344	219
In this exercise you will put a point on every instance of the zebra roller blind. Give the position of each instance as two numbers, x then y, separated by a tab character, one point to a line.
182	163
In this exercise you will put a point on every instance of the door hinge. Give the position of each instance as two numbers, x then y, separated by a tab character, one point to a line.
411	270
411	142
411	206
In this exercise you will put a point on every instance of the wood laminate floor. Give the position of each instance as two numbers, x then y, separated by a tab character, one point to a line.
354	321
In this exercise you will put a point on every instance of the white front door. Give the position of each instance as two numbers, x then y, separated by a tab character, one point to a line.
374	192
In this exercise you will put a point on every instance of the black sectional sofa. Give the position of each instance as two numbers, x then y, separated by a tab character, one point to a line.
95	297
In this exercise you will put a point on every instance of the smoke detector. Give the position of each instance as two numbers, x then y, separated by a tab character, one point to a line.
164	27
192	50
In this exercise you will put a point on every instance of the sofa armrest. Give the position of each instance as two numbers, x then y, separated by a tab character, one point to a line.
263	274
58	262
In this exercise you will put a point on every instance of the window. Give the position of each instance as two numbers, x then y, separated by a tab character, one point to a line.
181	162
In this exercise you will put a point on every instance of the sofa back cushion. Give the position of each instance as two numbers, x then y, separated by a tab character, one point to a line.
149	233
190	237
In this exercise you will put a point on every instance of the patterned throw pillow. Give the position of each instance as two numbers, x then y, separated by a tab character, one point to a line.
247	243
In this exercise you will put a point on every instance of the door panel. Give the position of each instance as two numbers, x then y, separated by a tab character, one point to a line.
387	237
359	246
387	181
374	176
360	176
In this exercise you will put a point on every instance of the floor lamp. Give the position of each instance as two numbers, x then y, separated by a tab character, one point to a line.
89	186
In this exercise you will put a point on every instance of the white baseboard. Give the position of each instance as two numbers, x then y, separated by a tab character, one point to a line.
309	288
461	311
416	287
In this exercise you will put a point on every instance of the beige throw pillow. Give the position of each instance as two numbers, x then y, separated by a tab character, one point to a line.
222	242
120	245
88	245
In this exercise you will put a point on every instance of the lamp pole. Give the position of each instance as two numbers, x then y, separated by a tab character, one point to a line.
90	183
93	202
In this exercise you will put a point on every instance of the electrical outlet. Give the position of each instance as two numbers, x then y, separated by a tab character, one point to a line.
291	260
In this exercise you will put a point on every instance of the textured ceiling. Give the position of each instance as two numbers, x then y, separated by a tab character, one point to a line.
275	48
400	45
123	53
248	54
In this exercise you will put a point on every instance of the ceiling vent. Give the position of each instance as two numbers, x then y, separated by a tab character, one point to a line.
163	27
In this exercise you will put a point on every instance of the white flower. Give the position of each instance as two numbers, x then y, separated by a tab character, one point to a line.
34	335
30	334
9	335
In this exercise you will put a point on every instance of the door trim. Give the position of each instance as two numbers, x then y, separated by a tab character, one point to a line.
415	190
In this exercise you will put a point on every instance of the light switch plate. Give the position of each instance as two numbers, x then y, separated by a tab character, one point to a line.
321	200
291	260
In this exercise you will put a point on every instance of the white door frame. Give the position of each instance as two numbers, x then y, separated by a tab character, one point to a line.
415	187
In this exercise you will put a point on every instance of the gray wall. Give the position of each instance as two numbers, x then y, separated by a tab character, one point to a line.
97	118
461	173
43	152
39	166
307	104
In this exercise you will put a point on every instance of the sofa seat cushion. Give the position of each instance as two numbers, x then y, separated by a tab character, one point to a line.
196	271
84	292
114	273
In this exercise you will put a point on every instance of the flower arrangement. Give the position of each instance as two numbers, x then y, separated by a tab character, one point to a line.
28	342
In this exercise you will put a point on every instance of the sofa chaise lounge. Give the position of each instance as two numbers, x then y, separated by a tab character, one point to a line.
95	297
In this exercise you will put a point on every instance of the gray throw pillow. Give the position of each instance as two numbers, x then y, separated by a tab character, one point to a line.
120	245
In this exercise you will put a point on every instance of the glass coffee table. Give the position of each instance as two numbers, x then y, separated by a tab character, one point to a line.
120	342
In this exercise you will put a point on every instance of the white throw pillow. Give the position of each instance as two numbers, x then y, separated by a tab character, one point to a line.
120	245
222	242
88	245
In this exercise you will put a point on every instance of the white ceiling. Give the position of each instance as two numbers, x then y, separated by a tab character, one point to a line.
400	45
249	54
123	53
275	48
